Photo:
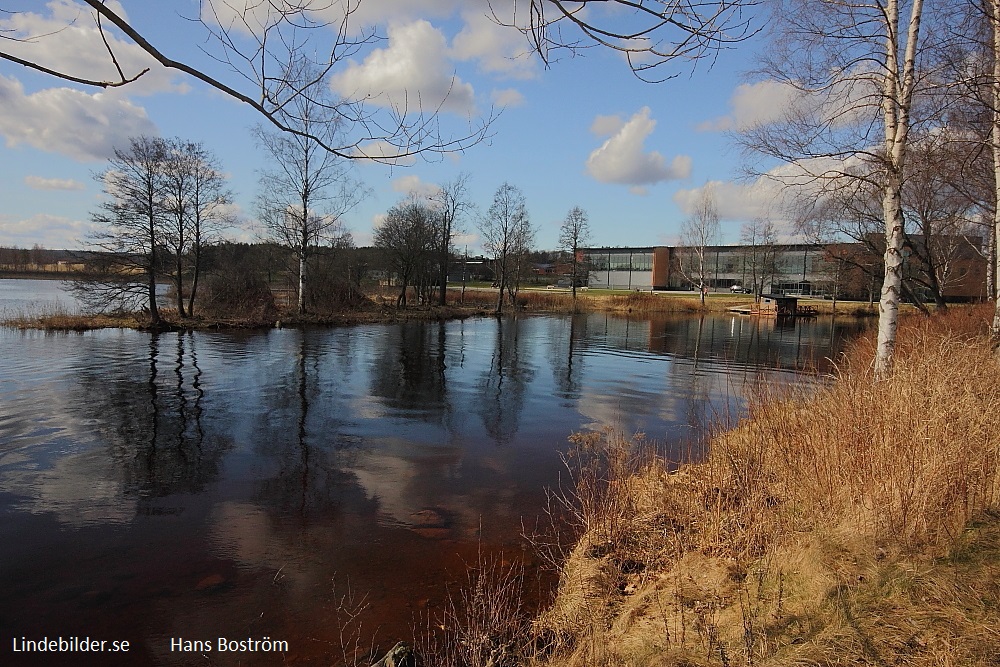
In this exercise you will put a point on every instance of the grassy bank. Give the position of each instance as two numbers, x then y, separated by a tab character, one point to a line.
380	307
56	319
857	525
640	303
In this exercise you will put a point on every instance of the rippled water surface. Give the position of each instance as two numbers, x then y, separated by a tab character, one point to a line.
199	485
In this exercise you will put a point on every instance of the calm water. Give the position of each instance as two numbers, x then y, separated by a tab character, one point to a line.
240	484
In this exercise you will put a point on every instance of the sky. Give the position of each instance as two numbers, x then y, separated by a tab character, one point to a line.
582	132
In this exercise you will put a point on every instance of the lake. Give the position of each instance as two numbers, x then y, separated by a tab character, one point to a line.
257	484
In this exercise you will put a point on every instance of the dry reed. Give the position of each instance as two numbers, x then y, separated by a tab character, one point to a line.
55	317
823	527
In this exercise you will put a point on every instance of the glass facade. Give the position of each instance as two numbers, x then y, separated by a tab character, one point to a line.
617	260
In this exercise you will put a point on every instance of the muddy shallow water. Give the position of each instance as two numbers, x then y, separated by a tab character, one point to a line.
160	489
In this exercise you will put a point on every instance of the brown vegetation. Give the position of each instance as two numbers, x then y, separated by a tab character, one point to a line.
55	318
854	525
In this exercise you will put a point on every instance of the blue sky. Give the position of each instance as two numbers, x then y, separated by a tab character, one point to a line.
584	132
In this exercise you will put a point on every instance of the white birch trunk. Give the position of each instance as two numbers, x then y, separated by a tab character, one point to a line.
995	136
897	95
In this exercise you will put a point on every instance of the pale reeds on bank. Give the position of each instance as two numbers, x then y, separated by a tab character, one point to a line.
855	524
57	317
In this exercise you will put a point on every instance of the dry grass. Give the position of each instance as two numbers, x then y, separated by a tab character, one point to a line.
56	318
854	525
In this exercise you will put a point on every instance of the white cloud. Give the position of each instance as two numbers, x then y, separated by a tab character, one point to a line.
412	73
622	158
383	152
470	240
49	231
507	97
67	121
753	104
39	183
769	195
249	16
604	126
734	201
499	50
412	183
67	39
844	103
363	238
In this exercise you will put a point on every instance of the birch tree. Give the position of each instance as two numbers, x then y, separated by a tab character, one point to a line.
993	19
699	231
209	211
853	70
758	237
308	189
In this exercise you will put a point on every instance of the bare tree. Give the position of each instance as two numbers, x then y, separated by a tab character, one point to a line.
131	219
574	233
409	236
759	237
452	202
208	209
700	230
992	12
651	34
854	72
507	232
256	42
308	188
523	245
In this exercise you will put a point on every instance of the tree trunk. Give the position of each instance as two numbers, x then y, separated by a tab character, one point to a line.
897	94
154	312
995	135
443	268
179	285
194	278
888	305
301	305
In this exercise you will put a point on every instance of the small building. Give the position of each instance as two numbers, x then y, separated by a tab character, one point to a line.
775	305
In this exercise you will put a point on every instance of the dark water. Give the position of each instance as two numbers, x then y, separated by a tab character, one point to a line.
240	485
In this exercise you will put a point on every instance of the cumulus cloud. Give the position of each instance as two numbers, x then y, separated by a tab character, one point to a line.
733	200
622	158
850	101
67	121
383	152
606	125
507	97
66	38
412	72
49	231
770	195
497	49
753	104
248	17
39	183
413	183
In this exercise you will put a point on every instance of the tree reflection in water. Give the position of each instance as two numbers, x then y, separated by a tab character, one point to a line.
502	386
152	421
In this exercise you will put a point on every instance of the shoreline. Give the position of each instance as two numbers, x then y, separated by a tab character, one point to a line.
860	522
380	309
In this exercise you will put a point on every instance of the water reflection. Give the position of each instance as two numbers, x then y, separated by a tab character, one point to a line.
502	385
219	482
149	413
